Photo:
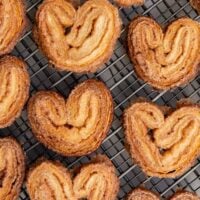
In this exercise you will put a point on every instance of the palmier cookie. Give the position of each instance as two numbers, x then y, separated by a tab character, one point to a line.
95	181
14	89
77	40
12	168
165	59
13	21
76	126
164	145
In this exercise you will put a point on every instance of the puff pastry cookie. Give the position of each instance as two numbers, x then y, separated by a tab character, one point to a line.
77	40
12	168
95	181
13	21
14	89
76	126
163	144
165	59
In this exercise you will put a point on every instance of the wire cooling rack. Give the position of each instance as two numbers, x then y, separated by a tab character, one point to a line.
119	76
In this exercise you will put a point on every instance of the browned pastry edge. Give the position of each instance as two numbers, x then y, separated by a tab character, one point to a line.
139	192
126	3
21	162
21	63
11	45
196	5
37	163
42	160
179	195
139	72
91	68
184	195
42	140
99	158
166	111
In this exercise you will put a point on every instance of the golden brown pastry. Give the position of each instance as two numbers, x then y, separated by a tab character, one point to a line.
14	89
164	59
13	22
97	180
129	2
50	181
74	127
164	145
12	169
196	5
77	40
94	181
142	194
185	196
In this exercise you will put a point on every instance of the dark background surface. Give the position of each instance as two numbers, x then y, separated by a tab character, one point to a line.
125	87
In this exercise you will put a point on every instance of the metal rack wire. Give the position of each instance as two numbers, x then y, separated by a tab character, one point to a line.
119	76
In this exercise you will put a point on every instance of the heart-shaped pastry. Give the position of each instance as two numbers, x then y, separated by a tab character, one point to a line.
129	2
77	40
74	127
12	169
13	22
140	194
14	89
165	59
164	145
94	181
196	5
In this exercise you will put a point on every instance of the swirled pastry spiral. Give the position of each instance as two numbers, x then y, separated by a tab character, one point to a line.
12	169
97	180
165	60
13	22
129	2
74	127
196	5
163	146
14	89
77	40
50	181
140	194
185	196
94	181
